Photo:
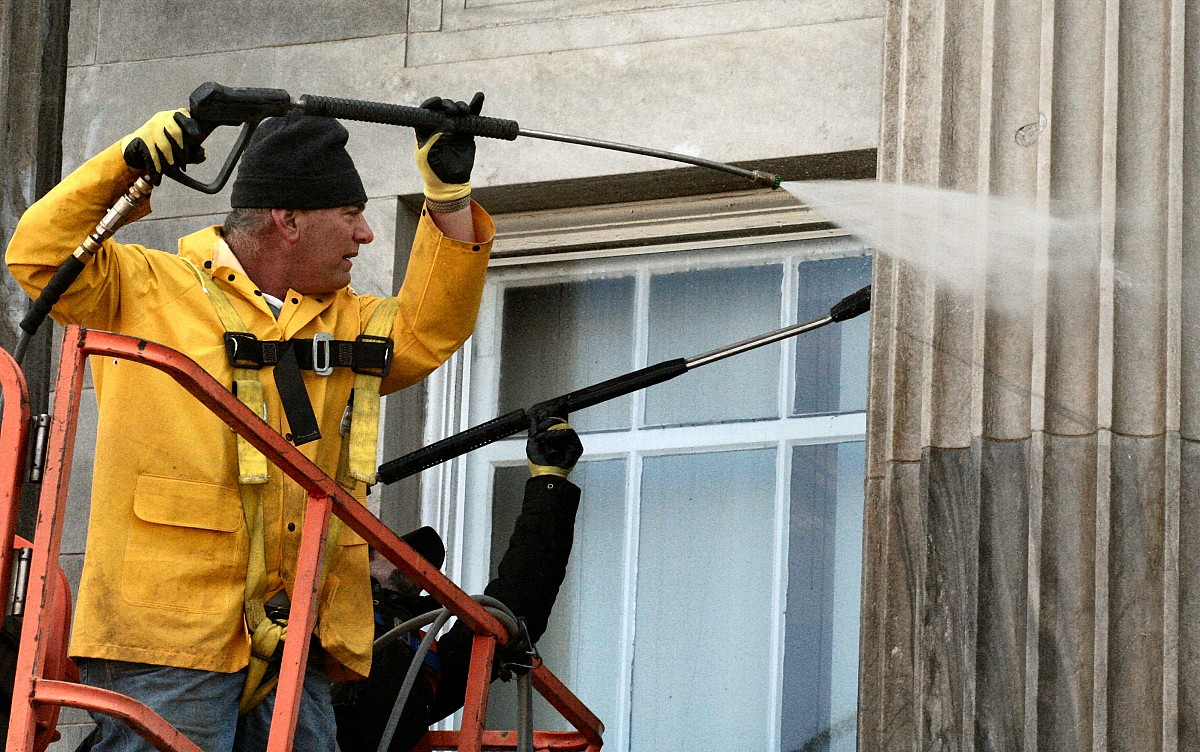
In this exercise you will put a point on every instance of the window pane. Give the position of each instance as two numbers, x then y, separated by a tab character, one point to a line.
562	337
702	648
582	643
831	362
694	312
820	665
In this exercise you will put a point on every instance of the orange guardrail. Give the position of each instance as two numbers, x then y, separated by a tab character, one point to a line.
34	688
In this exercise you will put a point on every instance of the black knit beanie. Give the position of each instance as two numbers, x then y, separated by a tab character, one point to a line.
426	542
297	162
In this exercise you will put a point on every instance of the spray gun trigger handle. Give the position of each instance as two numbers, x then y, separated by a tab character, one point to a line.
226	169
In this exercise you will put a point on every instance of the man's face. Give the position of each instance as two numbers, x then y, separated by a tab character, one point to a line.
329	241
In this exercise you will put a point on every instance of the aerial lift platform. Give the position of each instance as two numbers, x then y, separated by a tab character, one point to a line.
46	679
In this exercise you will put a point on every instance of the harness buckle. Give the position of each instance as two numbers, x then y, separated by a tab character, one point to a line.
243	350
372	355
322	356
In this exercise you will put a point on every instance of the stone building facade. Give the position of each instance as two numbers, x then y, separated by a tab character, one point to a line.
1026	533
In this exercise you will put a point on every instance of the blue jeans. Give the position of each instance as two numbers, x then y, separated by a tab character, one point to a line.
203	705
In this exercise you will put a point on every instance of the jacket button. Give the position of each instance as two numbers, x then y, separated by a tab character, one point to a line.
291	527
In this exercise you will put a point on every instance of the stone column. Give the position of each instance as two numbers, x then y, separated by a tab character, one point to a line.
1033	533
33	72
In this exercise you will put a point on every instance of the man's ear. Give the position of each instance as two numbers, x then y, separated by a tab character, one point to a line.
284	221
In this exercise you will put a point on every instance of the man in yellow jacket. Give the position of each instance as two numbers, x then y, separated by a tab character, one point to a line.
161	612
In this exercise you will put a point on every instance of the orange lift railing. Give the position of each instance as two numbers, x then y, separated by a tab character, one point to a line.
43	683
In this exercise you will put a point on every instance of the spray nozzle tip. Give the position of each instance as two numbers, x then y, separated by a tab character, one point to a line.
854	304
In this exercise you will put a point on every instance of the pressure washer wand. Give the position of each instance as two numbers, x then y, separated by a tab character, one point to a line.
504	426
759	177
229	105
509	130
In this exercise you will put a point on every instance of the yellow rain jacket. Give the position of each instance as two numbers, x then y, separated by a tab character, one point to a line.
165	568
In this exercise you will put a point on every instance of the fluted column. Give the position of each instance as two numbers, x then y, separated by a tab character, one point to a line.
1033	531
33	72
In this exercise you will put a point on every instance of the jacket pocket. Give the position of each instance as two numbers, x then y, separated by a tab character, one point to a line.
186	548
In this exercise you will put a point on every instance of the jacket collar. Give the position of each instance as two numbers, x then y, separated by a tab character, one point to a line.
209	251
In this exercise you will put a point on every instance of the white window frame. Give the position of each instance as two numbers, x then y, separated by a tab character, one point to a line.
560	246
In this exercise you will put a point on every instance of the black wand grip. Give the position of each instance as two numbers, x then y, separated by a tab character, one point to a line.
58	284
453	446
518	420
413	117
854	304
615	387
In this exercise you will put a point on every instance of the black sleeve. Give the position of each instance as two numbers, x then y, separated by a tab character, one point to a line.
528	578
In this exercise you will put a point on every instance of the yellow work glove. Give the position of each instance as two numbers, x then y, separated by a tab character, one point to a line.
171	137
553	448
445	159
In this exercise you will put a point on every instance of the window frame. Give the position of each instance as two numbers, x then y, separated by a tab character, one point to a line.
569	245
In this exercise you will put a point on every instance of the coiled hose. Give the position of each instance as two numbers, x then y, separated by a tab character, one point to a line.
437	619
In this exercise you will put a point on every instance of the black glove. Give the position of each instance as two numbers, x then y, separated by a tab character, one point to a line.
171	137
445	159
553	448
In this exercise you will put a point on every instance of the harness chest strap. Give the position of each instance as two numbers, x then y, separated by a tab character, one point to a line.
356	461
369	356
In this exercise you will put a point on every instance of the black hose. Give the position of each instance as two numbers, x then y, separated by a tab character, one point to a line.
438	619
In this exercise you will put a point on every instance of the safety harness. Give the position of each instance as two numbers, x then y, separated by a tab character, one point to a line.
369	356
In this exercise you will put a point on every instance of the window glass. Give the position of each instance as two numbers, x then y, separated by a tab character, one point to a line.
561	337
831	362
697	311
702	646
680	638
820	665
582	644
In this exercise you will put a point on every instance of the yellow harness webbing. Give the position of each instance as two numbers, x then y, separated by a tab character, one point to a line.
252	465
356	462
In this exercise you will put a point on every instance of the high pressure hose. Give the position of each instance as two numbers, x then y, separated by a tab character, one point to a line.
116	217
437	619
410	678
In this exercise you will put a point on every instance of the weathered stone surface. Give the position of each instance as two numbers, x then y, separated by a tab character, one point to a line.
1135	587
902	637
145	31
874	615
950	492
952	373
999	654
1189	598
1141	239
1067	595
549	26
81	45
